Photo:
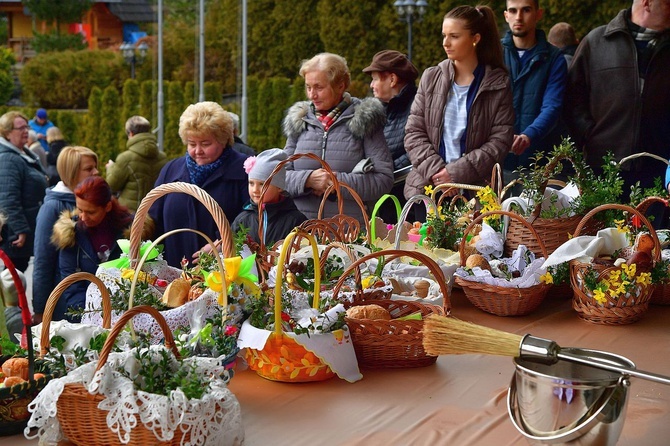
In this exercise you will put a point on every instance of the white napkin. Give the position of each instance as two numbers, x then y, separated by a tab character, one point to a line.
585	247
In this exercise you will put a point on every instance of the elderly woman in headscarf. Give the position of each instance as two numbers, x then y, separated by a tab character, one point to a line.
210	163
346	132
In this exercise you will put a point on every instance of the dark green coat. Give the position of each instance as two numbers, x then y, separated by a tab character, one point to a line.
135	171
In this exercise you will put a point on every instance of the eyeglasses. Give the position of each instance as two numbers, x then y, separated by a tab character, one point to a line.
22	128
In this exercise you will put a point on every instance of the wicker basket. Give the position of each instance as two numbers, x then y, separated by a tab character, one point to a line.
616	311
339	228
282	358
395	343
84	423
498	300
552	231
14	400
661	294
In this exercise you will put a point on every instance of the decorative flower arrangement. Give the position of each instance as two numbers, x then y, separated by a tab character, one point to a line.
623	281
490	202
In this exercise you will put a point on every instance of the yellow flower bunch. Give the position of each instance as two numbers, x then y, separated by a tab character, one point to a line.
489	202
618	282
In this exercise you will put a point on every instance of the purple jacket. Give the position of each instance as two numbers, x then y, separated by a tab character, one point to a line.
228	186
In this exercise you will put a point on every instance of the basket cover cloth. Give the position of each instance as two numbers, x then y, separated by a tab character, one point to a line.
214	419
335	349
585	248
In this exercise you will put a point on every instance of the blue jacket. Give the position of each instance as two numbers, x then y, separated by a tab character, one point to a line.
22	185
43	130
75	256
538	85
228	186
45	265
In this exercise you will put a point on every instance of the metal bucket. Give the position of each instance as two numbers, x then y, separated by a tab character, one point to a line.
569	403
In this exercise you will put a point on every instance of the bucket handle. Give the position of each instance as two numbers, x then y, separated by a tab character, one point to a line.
573	433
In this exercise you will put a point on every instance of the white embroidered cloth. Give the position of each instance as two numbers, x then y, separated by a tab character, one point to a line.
585	247
176	317
215	419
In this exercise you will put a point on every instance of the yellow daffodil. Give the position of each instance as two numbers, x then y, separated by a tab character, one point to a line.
428	190
620	226
614	276
599	296
644	279
629	269
367	282
547	278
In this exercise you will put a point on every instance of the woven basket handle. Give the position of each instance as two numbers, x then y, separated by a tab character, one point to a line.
375	210
285	248
227	243
223	301
643	154
430	207
623	207
357	199
124	319
352	258
515	216
392	254
278	167
55	295
20	291
643	207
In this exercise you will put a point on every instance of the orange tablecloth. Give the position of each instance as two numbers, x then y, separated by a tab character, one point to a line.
459	401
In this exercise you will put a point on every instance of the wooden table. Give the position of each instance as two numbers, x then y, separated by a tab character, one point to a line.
461	400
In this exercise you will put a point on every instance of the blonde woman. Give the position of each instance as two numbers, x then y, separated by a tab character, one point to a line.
74	165
210	162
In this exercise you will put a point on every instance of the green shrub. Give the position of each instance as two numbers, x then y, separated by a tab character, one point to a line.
174	147
93	120
147	101
53	41
65	79
7	59
110	127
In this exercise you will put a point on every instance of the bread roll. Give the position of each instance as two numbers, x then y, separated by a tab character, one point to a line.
372	311
477	260
421	287
16	367
176	293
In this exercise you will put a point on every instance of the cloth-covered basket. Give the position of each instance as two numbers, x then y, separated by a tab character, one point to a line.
395	343
287	357
661	294
180	316
14	400
94	404
621	310
500	300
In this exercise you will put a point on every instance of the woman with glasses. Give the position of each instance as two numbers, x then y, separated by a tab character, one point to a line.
22	186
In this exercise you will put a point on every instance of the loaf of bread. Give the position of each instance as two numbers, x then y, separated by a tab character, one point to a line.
16	367
176	293
477	260
372	311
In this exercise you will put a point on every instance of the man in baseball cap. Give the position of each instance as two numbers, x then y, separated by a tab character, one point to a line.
40	124
394	83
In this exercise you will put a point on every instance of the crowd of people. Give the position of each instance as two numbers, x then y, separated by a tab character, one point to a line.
491	100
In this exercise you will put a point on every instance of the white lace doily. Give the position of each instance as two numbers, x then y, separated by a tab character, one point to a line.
215	419
176	317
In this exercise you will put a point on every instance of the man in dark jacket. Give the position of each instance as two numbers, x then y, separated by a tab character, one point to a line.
617	93
538	71
393	83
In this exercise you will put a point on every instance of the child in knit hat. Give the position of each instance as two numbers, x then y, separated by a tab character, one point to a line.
279	211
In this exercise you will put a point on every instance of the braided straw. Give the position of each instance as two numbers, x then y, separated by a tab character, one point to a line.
45	342
227	243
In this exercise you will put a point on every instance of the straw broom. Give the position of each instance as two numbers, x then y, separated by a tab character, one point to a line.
444	335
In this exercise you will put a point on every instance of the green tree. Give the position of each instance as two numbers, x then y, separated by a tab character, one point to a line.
57	14
147	102
7	59
108	142
93	119
175	107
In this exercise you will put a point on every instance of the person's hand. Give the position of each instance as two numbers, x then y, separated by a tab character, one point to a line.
206	250
442	177
319	180
37	319
520	144
41	136
20	241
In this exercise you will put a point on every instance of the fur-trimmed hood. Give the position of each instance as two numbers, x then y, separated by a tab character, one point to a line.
65	229
368	116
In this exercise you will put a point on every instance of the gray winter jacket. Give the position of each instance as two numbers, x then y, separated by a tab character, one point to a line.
356	135
489	133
